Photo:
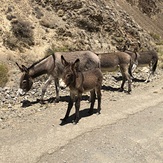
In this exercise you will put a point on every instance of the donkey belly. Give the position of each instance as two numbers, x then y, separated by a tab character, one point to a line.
143	65
109	69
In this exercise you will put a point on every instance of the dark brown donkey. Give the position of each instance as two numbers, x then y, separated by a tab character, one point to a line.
111	61
52	66
80	82
144	58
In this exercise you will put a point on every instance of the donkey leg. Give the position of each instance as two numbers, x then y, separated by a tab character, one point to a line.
70	104
125	76
93	97
47	83
122	85
99	101
128	78
56	81
77	107
129	82
122	69
150	72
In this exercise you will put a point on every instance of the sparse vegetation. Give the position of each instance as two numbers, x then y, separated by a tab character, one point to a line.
3	74
23	32
10	41
149	7
157	38
21	35
54	49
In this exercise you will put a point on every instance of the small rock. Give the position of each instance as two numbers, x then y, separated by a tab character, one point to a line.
9	106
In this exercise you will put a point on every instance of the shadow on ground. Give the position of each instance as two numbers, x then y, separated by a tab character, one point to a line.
83	114
27	103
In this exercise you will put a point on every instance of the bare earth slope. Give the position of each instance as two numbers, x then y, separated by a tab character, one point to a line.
154	25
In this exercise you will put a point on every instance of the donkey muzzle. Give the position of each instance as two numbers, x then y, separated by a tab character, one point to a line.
62	84
21	92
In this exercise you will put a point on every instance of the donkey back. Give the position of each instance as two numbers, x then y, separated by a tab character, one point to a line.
81	81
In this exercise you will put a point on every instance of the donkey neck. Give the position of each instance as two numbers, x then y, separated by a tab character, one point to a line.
44	66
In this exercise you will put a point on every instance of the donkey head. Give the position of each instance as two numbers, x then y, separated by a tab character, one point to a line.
25	80
70	72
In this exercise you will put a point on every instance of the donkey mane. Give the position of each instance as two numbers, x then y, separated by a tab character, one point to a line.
41	60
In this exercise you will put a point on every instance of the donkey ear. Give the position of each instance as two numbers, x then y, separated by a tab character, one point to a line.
76	64
64	62
25	68
21	68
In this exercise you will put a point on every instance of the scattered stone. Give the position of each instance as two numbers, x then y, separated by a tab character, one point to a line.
9	106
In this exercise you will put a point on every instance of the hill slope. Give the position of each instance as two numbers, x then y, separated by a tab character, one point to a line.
29	27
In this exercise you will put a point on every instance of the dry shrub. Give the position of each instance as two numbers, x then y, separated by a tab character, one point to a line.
21	36
149	7
3	74
54	48
23	32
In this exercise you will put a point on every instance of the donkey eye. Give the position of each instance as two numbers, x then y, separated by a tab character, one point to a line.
24	81
68	75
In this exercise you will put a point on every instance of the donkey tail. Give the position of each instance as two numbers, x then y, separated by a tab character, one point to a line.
154	66
130	68
133	64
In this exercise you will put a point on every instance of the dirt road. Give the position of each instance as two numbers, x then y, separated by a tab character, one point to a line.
138	138
129	129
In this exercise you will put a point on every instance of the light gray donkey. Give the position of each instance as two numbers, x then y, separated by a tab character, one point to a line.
52	66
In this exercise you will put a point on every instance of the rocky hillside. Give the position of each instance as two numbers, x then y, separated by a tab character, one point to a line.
29	27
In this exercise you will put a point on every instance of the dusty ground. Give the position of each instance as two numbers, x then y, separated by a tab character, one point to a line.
129	129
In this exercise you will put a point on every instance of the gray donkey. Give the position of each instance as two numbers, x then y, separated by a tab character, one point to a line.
144	58
80	82
52	66
111	61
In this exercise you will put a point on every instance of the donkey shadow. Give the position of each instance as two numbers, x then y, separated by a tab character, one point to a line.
83	114
109	88
27	103
119	78
138	80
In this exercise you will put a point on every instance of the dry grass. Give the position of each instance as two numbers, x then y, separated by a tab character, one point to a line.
52	49
3	74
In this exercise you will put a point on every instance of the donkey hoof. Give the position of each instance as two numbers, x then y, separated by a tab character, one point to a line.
56	100
98	113
147	81
120	90
63	119
129	92
41	101
74	122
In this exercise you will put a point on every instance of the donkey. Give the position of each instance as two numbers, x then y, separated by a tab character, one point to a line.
52	66
80	82
144	58
111	61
